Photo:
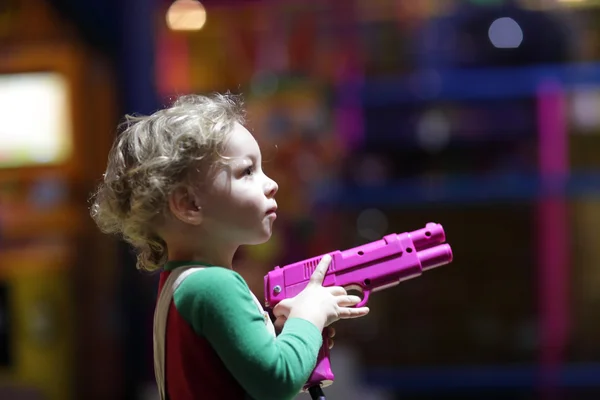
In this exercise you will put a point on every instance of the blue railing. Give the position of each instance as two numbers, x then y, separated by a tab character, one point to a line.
447	379
460	190
473	84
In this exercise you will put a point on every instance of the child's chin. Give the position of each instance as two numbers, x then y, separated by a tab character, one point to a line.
259	239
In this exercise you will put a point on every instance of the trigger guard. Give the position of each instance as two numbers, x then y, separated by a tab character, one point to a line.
365	294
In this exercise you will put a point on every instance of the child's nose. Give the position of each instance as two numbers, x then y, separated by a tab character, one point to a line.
271	188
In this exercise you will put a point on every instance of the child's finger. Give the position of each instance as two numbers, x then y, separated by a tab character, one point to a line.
350	300
337	290
319	274
347	312
279	323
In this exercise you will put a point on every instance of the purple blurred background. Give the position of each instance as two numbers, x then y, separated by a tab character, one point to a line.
375	116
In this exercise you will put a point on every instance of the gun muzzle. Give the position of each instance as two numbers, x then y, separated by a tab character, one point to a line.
435	256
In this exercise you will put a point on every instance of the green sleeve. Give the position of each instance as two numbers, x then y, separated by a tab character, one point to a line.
217	303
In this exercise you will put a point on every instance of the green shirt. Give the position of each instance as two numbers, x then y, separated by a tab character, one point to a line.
217	303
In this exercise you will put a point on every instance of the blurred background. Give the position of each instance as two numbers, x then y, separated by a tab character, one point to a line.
375	116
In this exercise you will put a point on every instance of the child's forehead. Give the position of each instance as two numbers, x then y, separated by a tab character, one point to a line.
241	143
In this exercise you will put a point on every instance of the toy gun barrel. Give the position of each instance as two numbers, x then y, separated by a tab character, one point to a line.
395	257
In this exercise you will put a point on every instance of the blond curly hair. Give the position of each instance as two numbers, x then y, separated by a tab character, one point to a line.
154	155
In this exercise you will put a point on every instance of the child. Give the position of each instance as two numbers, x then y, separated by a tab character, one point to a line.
185	187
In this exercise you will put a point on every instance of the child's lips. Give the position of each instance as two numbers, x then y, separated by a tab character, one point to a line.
272	211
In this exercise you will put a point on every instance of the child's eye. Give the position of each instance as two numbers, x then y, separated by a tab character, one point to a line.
249	170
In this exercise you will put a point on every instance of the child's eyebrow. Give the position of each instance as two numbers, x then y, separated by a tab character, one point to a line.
241	161
251	157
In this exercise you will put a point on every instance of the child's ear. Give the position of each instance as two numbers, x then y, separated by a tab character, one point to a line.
185	206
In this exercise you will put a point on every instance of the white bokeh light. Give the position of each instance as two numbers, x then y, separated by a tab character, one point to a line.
371	224
186	15
505	33
433	131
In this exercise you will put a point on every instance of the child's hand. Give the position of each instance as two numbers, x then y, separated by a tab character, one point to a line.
320	305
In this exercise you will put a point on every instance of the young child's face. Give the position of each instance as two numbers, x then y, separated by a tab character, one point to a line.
240	204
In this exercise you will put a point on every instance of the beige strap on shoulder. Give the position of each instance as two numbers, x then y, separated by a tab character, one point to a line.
268	322
160	322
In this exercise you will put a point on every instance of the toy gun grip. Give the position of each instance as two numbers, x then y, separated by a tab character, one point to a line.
322	375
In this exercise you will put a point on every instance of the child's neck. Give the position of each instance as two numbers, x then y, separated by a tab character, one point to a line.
187	243
212	256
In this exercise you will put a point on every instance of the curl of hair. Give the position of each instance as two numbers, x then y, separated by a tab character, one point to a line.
151	157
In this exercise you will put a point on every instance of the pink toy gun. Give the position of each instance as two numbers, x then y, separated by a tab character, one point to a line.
368	268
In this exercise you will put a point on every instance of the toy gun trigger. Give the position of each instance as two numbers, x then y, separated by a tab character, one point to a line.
357	290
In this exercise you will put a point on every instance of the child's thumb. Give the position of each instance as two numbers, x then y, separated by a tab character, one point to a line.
283	308
318	275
